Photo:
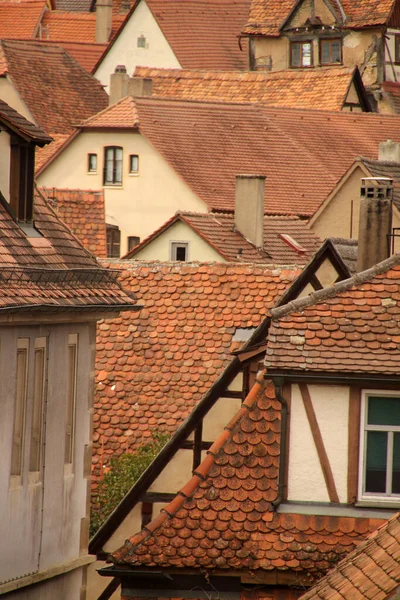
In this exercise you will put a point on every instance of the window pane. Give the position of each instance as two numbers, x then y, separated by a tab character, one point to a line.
37	417
296	55
181	253
396	464
337	51
325	51
92	162
19	414
375	472
118	165
109	166
306	55
134	166
383	410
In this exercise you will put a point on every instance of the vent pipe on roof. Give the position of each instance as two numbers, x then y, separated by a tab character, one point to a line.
389	151
375	224
119	83
103	21
249	208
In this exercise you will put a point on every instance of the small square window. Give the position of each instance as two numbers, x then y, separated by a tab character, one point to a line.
133	164
180	251
141	41
92	163
133	240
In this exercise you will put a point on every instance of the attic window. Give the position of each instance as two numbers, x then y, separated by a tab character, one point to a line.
301	54
179	251
113	241
21	180
330	52
141	42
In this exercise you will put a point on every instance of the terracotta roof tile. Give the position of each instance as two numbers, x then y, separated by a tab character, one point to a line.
349	327
156	366
219	231
204	35
323	89
232	522
54	76
22	126
123	114
20	19
267	16
86	54
44	155
65	26
371	571
84	213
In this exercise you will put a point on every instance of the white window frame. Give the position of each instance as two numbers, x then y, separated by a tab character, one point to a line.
173	245
133	173
371	497
89	170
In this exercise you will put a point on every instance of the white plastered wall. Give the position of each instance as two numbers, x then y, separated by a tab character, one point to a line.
392	71
159	248
144	202
124	51
331	407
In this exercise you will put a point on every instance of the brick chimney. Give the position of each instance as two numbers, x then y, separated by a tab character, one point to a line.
119	84
249	207
389	151
103	21
375	224
140	86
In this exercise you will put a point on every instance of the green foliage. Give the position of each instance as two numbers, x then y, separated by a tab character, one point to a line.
123	472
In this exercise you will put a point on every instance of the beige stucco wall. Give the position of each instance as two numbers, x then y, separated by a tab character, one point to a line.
124	51
5	165
160	247
9	94
63	587
144	201
305	11
43	520
326	273
306	480
219	415
392	71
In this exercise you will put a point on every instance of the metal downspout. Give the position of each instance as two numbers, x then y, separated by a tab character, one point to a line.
278	384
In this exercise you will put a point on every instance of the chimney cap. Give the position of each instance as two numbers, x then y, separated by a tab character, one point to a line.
250	177
120	69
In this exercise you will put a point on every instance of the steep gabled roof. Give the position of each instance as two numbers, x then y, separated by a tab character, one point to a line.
21	19
121	115
16	123
59	93
350	327
83	212
220	232
321	89
370	572
268	16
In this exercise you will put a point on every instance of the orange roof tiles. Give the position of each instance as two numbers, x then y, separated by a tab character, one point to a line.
86	54
223	518
84	213
370	572
204	34
59	93
352	326
64	26
20	19
323	89
154	367
219	231
121	115
267	16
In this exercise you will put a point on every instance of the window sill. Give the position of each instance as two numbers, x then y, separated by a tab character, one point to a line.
68	470
133	174
378	502
92	172
15	482
113	186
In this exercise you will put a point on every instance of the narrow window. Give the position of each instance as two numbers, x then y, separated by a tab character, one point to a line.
397	49
113	241
112	165
92	163
20	407
179	251
380	450
141	41
71	398
330	52
133	240
35	456
301	54
133	164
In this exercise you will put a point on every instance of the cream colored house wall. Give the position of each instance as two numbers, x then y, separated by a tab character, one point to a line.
392	71
306	480
124	51
271	53
5	165
9	94
160	247
144	201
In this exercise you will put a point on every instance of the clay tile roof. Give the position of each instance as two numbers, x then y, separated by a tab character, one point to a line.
20	19
59	93
391	91
223	518
86	54
352	326
73	5
190	315
64	26
371	571
123	114
220	232
84	213
22	126
45	154
267	16
323	89
204	34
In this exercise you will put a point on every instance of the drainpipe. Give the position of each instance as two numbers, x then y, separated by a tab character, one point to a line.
278	384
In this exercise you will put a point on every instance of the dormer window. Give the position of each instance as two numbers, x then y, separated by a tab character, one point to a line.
22	168
301	54
330	52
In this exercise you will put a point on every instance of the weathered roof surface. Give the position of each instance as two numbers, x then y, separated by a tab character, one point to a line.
20	19
370	572
121	115
203	34
267	16
323	89
59	93
380	168
22	126
73	5
391	91
74	26
351	326
223	518
83	212
347	249
155	367
85	53
220	232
